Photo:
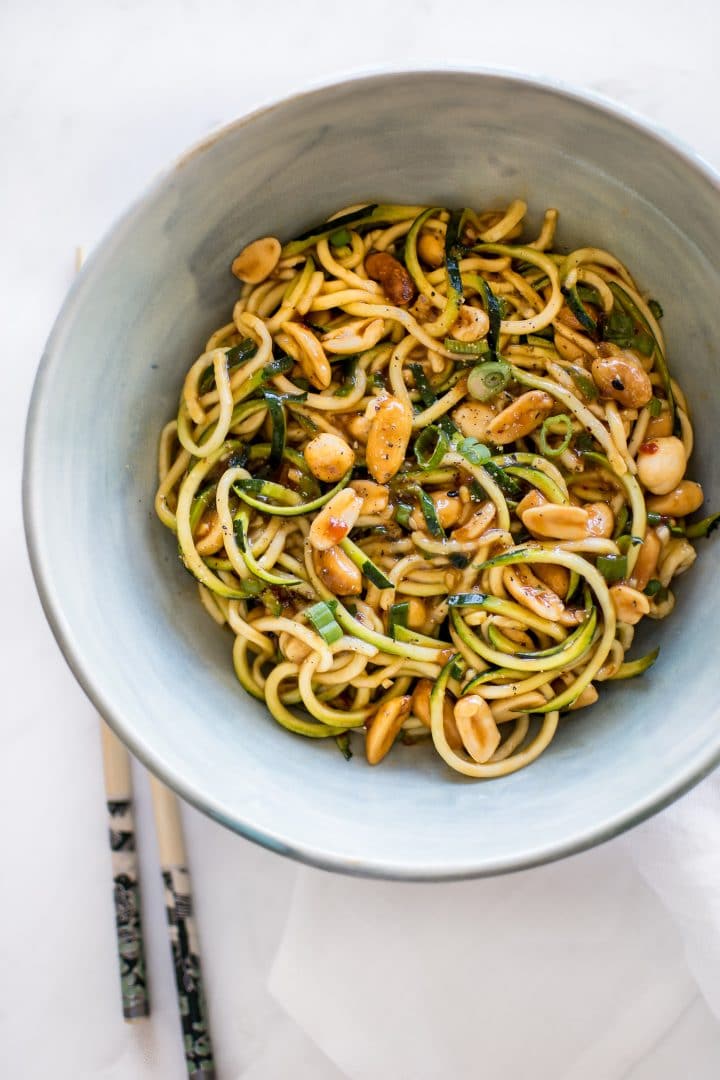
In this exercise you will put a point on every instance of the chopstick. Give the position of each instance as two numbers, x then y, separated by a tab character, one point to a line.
128	926
183	933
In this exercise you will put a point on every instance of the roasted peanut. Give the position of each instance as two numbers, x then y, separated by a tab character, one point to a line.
678	556
375	497
567	349
431	249
532	498
313	361
354	337
588	697
659	426
392	275
661	464
630	604
421	709
557	578
646	563
384	727
338	572
623	380
529	591
209	535
388	438
292	648
474	419
521	417
473	529
477	727
553	522
685	499
472	324
257	261
601	520
335	520
328	457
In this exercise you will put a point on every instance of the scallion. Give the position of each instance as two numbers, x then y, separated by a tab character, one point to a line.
612	567
654	407
549	425
466	348
487	380
430	514
430	447
703	528
322	617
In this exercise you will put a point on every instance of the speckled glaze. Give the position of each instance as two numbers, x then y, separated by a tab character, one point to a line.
126	615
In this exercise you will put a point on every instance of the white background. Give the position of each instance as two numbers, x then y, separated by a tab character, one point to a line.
95	98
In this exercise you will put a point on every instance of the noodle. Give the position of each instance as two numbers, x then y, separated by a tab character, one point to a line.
431	478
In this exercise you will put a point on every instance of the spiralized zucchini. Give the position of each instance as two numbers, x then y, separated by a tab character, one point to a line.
430	477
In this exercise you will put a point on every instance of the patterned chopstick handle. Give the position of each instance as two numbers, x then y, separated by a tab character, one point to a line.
131	953
188	976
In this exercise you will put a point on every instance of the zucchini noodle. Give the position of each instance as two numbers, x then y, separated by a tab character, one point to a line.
430	477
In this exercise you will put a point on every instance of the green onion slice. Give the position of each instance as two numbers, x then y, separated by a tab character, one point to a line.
612	567
430	447
322	617
549	425
487	380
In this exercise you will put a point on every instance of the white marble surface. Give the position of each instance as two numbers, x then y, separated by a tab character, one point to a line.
94	99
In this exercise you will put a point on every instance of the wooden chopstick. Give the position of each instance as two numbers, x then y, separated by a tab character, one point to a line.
183	933
126	892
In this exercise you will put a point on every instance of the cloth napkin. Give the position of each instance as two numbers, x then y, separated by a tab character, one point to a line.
605	965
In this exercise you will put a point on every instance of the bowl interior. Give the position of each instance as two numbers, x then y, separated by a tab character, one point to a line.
127	615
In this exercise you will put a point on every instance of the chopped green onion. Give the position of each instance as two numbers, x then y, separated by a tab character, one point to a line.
466	348
656	309
322	617
430	447
654	407
655	589
612	567
621	329
487	380
365	564
398	616
621	521
703	528
624	302
340	238
548	426
471	449
624	543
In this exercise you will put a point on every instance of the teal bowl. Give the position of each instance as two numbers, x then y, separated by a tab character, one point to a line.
126	615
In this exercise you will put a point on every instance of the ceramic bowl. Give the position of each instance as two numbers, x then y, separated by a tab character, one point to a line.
126	615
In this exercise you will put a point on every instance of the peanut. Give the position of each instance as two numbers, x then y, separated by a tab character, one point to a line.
257	261
474	419
553	522
557	578
338	572
472	324
685	499
661	464
384	727
477	727
354	337
646	563
521	417
630	604
392	275
623	380
335	520
529	591
601	520
431	249
313	361
328	457
421	709
388	438
481	520
375	497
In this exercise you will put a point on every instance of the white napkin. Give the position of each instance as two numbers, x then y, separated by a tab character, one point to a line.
574	971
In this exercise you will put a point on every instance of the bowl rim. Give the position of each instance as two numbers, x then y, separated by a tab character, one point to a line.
704	760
